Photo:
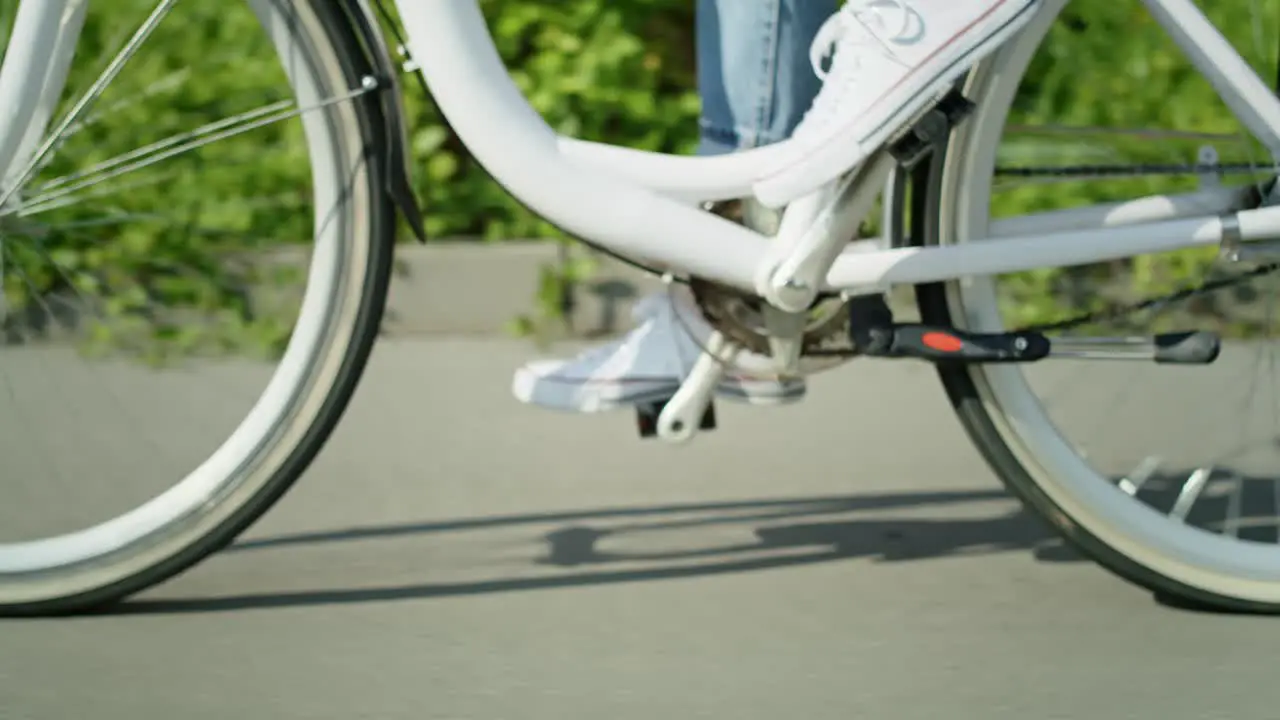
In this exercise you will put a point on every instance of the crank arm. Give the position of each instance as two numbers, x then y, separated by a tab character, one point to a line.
691	409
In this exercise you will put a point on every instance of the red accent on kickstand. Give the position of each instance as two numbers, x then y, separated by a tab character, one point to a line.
942	342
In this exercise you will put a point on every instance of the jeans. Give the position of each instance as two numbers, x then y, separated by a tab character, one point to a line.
754	73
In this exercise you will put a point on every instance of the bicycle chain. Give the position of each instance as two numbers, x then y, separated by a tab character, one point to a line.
1152	302
1136	171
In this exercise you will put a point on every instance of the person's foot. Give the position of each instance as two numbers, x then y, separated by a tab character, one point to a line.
647	365
889	61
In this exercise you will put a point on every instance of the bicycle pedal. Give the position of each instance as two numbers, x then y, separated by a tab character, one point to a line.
930	129
647	415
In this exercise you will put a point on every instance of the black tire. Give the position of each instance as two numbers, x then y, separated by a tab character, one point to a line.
965	400
334	47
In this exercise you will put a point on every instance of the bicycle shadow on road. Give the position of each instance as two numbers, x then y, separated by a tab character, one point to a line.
591	547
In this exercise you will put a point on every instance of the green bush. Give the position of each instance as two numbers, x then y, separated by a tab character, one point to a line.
1109	65
153	248
598	70
623	73
619	72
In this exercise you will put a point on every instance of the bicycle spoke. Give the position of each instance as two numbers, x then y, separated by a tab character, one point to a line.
1234	510
1190	492
90	97
162	145
1275	504
157	88
1138	477
163	150
1271	356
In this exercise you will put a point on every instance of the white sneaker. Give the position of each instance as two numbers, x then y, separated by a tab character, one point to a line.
890	61
647	366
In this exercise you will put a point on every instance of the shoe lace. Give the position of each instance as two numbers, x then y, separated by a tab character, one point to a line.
845	39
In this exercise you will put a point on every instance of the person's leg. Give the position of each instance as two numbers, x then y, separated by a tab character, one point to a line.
755	77
756	82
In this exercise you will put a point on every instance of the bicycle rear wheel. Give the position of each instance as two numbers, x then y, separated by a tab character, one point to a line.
203	259
1168	476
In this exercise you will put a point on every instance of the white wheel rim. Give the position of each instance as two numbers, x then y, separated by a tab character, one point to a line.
1187	554
276	402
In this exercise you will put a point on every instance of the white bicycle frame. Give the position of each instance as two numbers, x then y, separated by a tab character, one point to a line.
644	205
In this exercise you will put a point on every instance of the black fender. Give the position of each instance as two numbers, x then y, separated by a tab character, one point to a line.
389	105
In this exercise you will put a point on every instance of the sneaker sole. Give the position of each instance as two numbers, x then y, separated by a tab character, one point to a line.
584	396
762	393
575	397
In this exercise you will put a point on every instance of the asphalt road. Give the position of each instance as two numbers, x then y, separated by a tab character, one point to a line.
455	555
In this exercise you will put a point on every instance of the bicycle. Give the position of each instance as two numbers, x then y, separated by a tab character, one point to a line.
650	210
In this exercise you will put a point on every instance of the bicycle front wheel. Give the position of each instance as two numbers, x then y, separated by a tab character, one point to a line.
1167	475
197	254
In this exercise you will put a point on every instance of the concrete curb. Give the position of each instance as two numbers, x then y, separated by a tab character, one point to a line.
445	288
448	288
473	288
